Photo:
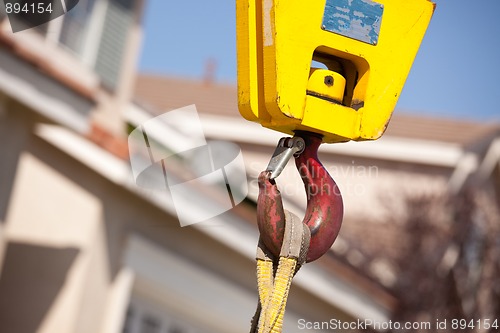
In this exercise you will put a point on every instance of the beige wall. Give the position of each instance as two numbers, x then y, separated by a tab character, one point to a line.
51	240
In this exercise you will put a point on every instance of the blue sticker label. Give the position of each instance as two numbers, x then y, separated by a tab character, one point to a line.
357	19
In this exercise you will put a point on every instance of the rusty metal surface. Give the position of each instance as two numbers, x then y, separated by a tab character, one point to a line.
324	203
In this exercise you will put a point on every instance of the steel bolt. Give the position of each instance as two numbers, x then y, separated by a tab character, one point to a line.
329	80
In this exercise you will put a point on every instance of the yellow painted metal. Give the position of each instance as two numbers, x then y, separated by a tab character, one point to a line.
326	84
277	42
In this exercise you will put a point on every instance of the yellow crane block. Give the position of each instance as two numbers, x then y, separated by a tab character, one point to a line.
333	67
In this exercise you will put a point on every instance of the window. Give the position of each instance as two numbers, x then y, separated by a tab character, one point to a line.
127	325
96	32
117	21
146	316
150	324
75	27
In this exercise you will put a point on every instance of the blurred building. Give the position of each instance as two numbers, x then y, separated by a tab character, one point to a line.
419	158
84	249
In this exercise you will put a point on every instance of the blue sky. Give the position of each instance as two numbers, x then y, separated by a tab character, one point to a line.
456	73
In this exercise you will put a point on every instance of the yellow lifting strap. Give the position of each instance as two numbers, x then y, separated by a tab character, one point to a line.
274	276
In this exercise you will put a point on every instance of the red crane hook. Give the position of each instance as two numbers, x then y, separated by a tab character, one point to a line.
324	202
